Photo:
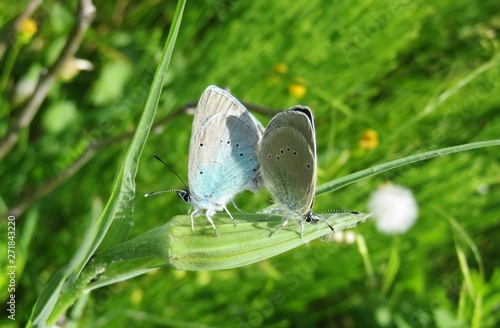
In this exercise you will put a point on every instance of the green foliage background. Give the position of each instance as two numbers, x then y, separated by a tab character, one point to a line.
424	75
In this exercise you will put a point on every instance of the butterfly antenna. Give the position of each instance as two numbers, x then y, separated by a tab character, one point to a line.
171	170
162	191
338	211
323	220
317	217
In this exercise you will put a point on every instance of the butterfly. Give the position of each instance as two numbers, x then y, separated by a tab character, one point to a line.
287	155
222	154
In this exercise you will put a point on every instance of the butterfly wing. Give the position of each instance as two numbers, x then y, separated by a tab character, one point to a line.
222	151
287	157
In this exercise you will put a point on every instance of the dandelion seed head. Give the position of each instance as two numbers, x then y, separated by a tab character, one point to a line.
394	209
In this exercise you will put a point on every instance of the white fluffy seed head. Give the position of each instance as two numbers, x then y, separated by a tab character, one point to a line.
394	209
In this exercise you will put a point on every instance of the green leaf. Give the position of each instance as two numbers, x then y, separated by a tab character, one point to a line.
247	243
60	115
111	82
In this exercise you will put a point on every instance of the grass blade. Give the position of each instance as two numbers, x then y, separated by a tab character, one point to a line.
351	178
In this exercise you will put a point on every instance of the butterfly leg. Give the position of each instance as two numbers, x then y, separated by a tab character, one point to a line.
236	207
209	218
235	223
284	223
271	213
301	229
195	213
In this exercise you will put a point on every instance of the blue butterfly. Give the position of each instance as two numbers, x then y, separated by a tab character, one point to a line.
222	154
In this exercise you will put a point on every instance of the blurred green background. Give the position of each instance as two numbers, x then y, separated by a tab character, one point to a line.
422	75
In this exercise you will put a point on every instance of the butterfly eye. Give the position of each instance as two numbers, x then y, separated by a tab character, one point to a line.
184	195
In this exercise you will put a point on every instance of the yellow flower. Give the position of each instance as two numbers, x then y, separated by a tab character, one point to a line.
281	68
27	29
369	139
136	296
297	90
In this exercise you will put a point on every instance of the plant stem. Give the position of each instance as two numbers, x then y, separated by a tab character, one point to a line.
7	68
